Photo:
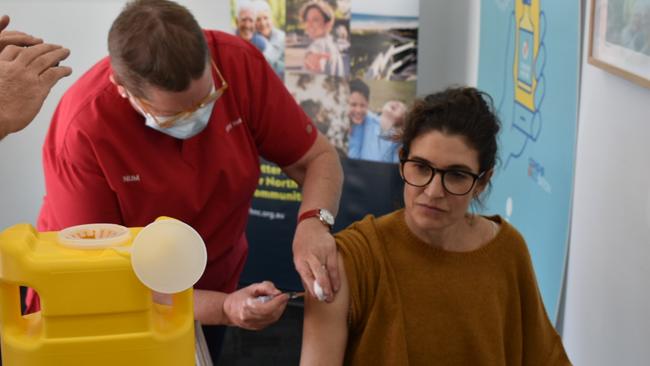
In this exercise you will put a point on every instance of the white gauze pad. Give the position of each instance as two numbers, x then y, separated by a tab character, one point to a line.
320	295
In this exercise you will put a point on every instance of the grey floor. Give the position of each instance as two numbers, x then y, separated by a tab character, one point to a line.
279	344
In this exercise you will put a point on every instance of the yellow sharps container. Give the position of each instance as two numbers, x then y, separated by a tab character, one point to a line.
95	308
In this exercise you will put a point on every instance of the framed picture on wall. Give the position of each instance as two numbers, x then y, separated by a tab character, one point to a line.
619	39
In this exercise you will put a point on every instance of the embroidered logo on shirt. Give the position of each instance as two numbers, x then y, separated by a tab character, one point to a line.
232	124
131	178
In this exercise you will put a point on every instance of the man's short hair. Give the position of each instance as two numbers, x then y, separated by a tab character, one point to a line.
358	86
156	43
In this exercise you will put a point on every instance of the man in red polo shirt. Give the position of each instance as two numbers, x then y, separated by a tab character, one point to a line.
173	123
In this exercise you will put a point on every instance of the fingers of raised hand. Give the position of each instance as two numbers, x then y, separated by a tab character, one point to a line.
42	56
54	74
4	22
10	52
45	64
18	39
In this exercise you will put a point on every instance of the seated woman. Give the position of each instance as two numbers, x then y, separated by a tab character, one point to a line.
433	283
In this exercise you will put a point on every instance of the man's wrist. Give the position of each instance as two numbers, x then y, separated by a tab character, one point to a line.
322	214
225	319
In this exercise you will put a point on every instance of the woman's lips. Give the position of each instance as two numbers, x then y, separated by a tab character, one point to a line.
432	208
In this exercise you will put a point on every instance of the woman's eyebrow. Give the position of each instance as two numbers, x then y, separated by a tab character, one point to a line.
453	166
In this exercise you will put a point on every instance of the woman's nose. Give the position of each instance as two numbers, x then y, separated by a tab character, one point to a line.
435	187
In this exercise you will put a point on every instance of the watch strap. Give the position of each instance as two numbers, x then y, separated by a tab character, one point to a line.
313	213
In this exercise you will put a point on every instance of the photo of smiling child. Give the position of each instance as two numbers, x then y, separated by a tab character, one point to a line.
318	37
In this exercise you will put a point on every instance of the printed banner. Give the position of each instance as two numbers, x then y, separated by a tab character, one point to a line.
352	66
529	59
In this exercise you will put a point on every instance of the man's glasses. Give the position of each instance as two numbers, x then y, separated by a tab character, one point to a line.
457	182
169	121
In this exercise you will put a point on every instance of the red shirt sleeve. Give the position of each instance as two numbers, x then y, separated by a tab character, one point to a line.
281	129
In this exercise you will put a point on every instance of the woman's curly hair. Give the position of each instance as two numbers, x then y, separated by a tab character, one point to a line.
462	111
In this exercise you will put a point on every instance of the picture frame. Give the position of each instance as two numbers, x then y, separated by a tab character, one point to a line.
619	39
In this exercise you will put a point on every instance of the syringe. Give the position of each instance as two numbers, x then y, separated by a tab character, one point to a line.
292	295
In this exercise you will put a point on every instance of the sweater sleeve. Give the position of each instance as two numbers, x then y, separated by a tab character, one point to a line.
361	269
542	344
281	129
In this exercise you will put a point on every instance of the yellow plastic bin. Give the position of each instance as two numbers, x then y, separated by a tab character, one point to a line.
94	309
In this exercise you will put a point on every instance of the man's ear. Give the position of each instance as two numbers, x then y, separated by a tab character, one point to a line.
120	88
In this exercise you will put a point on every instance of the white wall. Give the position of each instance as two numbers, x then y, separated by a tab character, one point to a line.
82	26
607	309
448	44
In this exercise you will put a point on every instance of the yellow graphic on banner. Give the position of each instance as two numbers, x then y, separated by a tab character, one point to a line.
275	185
527	48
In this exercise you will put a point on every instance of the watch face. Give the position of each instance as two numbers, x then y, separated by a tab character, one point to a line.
327	217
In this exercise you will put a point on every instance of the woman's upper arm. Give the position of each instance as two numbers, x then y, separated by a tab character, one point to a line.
325	329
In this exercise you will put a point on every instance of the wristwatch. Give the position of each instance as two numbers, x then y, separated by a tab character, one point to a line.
322	214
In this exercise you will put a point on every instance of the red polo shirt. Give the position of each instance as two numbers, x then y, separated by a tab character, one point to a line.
102	164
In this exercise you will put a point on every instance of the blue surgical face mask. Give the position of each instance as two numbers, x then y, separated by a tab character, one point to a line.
184	128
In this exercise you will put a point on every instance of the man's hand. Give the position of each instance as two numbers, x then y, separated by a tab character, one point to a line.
244	310
15	38
26	76
314	255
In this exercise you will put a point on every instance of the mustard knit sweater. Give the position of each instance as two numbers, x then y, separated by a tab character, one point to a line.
412	304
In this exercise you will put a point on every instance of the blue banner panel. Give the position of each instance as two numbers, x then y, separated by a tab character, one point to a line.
529	63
